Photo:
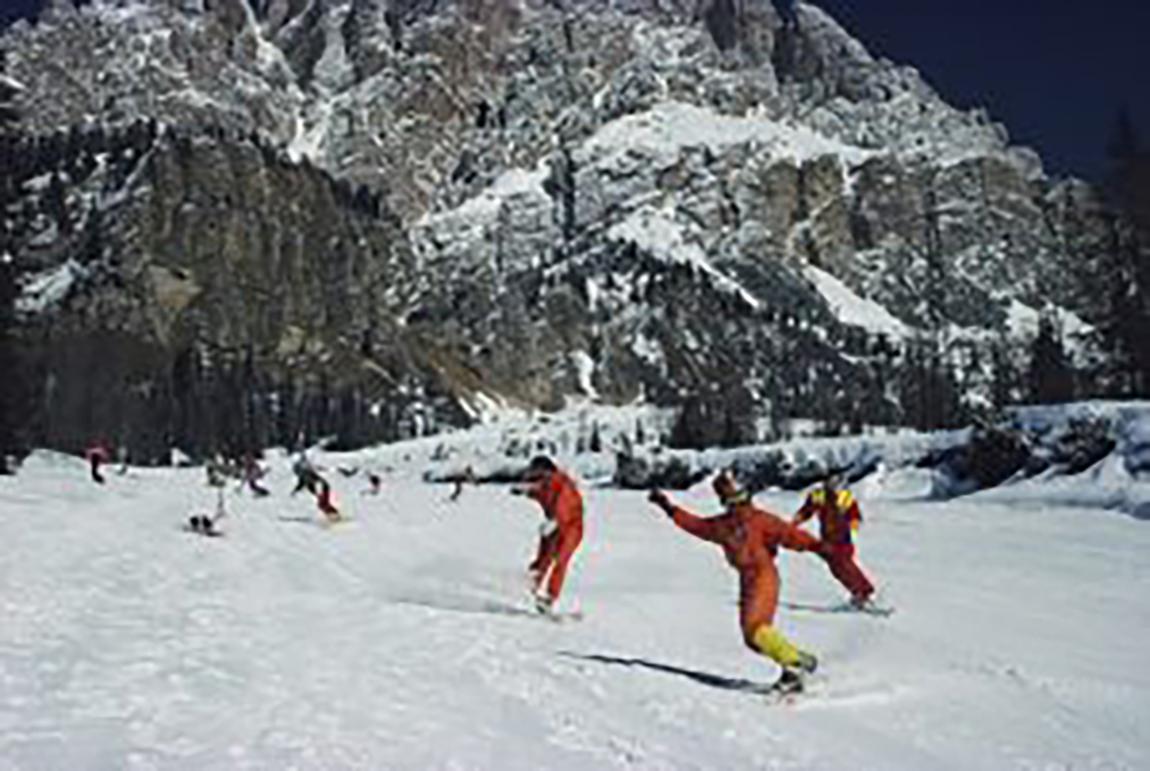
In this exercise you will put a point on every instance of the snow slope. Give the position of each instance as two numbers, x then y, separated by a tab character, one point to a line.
394	640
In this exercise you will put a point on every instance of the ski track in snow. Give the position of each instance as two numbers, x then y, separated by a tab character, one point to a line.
396	639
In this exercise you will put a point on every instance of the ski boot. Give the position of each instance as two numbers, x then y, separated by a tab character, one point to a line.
789	682
793	678
543	604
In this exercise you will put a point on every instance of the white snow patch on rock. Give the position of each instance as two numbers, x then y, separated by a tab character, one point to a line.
585	371
49	287
656	232
853	309
669	127
1022	320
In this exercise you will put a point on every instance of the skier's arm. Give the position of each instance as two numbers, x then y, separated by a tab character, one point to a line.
700	527
804	513
537	491
793	537
854	516
532	490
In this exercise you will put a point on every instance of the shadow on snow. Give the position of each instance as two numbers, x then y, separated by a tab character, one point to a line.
706	678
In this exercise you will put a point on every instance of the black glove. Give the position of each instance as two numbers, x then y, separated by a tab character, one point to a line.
660	499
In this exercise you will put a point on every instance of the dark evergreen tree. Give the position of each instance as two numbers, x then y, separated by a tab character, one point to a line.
692	428
12	384
1127	271
1051	376
596	442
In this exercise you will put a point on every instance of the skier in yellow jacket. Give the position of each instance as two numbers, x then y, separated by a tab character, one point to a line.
839	518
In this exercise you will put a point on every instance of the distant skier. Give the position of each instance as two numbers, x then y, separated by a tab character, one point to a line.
323	499
839	518
468	477
751	538
562	529
203	524
217	471
306	475
122	457
98	454
253	472
376	484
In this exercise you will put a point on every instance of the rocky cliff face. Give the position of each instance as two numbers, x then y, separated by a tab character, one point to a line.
673	200
206	290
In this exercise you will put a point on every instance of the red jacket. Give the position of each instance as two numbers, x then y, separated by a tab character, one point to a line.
750	537
98	453
557	494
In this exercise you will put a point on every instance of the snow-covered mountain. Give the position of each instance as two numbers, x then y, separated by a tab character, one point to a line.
615	200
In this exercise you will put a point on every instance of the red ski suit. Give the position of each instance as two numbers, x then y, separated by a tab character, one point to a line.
323	499
97	455
562	504
839	517
750	538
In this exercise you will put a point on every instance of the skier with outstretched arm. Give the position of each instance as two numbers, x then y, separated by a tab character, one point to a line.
839	519
750	538
306	475
562	529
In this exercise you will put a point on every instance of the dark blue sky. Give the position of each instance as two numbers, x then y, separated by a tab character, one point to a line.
1054	71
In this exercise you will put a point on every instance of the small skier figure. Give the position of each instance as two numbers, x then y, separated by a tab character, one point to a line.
750	538
217	471
324	501
253	472
467	478
561	532
205	525
97	455
376	482
306	475
839	518
122	457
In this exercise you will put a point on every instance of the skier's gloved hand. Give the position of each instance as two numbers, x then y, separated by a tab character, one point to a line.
548	527
660	499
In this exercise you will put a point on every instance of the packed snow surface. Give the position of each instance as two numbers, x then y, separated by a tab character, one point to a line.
398	639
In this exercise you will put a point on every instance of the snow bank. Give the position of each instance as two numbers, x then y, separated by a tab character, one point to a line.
1088	454
791	465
